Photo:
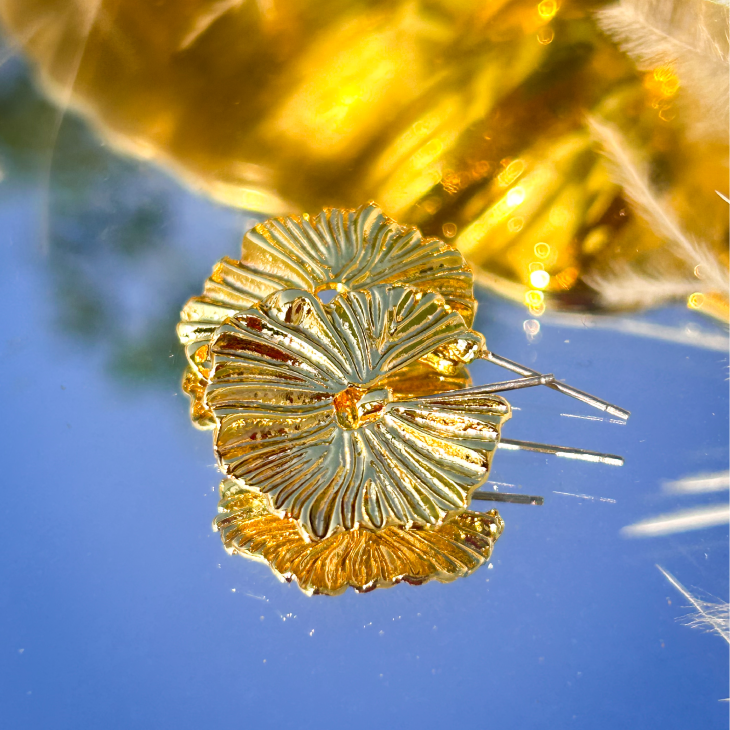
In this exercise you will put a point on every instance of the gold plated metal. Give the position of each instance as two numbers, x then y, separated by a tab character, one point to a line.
193	385
307	415
361	559
351	441
336	249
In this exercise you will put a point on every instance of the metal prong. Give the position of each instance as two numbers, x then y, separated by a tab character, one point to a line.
506	497
493	387
565	451
591	400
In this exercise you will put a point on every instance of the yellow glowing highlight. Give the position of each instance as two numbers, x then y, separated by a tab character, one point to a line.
449	229
539	279
511	173
542	250
515	197
559	216
534	298
667	80
343	85
547	9
538	182
428	153
696	300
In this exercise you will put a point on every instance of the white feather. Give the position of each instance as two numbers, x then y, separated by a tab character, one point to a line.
624	286
708	616
692	36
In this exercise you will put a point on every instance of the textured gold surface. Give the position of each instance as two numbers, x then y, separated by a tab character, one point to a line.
359	559
337	249
411	381
193	385
305	412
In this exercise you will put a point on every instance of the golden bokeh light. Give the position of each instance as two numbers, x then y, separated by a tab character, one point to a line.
534	298
539	279
515	197
696	300
449	229
547	9
545	36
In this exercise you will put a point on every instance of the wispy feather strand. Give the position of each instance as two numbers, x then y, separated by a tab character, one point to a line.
692	36
625	286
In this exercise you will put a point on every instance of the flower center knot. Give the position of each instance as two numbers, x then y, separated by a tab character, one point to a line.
356	405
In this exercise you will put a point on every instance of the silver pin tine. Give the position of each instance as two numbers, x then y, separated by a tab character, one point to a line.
565	451
493	387
591	400
506	497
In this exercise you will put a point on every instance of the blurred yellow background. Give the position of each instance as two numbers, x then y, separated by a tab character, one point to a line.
569	173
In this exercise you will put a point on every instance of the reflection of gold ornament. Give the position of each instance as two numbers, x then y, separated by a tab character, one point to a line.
306	413
465	118
360	559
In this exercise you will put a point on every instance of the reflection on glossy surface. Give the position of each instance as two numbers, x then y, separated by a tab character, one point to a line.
358	558
464	118
680	521
306	414
105	230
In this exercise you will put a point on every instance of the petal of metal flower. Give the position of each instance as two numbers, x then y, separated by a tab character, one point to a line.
305	414
340	249
193	385
359	558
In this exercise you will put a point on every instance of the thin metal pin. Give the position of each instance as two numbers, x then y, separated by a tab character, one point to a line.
591	400
494	387
565	451
506	497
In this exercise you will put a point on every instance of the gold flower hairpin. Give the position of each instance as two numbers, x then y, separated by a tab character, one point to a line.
351	443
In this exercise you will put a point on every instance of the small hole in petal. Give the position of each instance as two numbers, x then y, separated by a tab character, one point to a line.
326	295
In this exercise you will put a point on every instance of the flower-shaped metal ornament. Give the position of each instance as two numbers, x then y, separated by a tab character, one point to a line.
336	249
307	413
350	441
360	559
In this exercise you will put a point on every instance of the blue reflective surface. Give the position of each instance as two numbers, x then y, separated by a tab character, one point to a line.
120	607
